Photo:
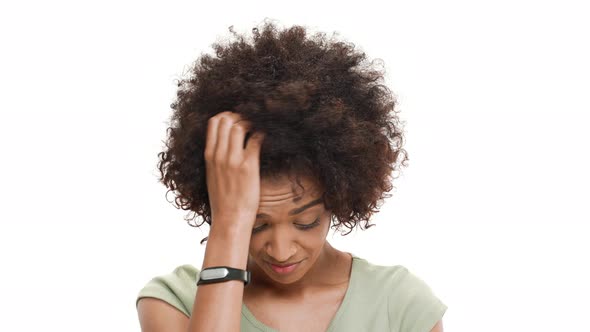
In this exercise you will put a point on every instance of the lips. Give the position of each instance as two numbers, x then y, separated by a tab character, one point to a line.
284	265
284	268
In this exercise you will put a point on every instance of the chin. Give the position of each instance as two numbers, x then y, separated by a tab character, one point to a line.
284	280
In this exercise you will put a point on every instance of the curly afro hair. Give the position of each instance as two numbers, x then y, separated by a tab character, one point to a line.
322	105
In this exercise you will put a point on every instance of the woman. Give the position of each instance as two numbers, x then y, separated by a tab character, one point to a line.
272	142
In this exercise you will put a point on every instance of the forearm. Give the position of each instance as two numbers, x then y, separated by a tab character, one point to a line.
218	306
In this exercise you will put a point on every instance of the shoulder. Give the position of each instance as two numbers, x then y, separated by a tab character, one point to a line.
395	279
412	305
177	288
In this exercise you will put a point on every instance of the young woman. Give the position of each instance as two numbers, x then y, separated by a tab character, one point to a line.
273	141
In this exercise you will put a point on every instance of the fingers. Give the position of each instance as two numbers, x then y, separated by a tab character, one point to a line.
236	142
226	133
214	142
211	139
254	146
223	131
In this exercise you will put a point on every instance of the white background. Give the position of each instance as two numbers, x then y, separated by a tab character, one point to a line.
491	212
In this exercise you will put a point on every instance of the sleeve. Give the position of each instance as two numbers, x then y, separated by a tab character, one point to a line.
177	288
414	306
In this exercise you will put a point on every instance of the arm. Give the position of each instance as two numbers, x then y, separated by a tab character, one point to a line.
156	315
438	327
233	186
212	300
218	306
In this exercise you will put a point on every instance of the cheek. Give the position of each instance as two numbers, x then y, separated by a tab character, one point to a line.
256	244
313	240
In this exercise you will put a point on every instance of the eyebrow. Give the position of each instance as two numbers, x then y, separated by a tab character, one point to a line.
296	210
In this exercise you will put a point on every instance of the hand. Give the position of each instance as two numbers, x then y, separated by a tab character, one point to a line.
232	171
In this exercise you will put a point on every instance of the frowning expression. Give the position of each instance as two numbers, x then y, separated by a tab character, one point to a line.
290	229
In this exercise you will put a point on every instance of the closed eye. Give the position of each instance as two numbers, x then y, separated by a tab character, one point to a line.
309	226
300	226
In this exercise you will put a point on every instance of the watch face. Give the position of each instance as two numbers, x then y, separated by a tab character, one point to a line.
215	273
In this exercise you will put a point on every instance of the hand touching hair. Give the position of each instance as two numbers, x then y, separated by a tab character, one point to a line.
322	106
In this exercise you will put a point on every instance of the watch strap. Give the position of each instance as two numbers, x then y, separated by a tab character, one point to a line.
217	274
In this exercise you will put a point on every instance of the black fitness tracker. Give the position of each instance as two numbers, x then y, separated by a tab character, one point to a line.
216	274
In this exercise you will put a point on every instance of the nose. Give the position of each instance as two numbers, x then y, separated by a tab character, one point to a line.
280	246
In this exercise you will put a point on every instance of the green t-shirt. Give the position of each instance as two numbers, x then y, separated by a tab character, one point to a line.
378	298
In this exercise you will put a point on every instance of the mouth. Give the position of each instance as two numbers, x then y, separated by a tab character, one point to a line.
284	268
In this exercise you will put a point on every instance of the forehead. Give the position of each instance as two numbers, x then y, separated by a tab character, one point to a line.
285	189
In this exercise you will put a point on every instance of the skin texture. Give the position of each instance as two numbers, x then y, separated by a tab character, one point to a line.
233	184
233	171
438	327
317	286
280	237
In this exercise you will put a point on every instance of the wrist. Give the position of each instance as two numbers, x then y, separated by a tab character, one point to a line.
232	227
228	245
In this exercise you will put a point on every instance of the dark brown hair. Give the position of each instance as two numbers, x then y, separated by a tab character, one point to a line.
321	103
